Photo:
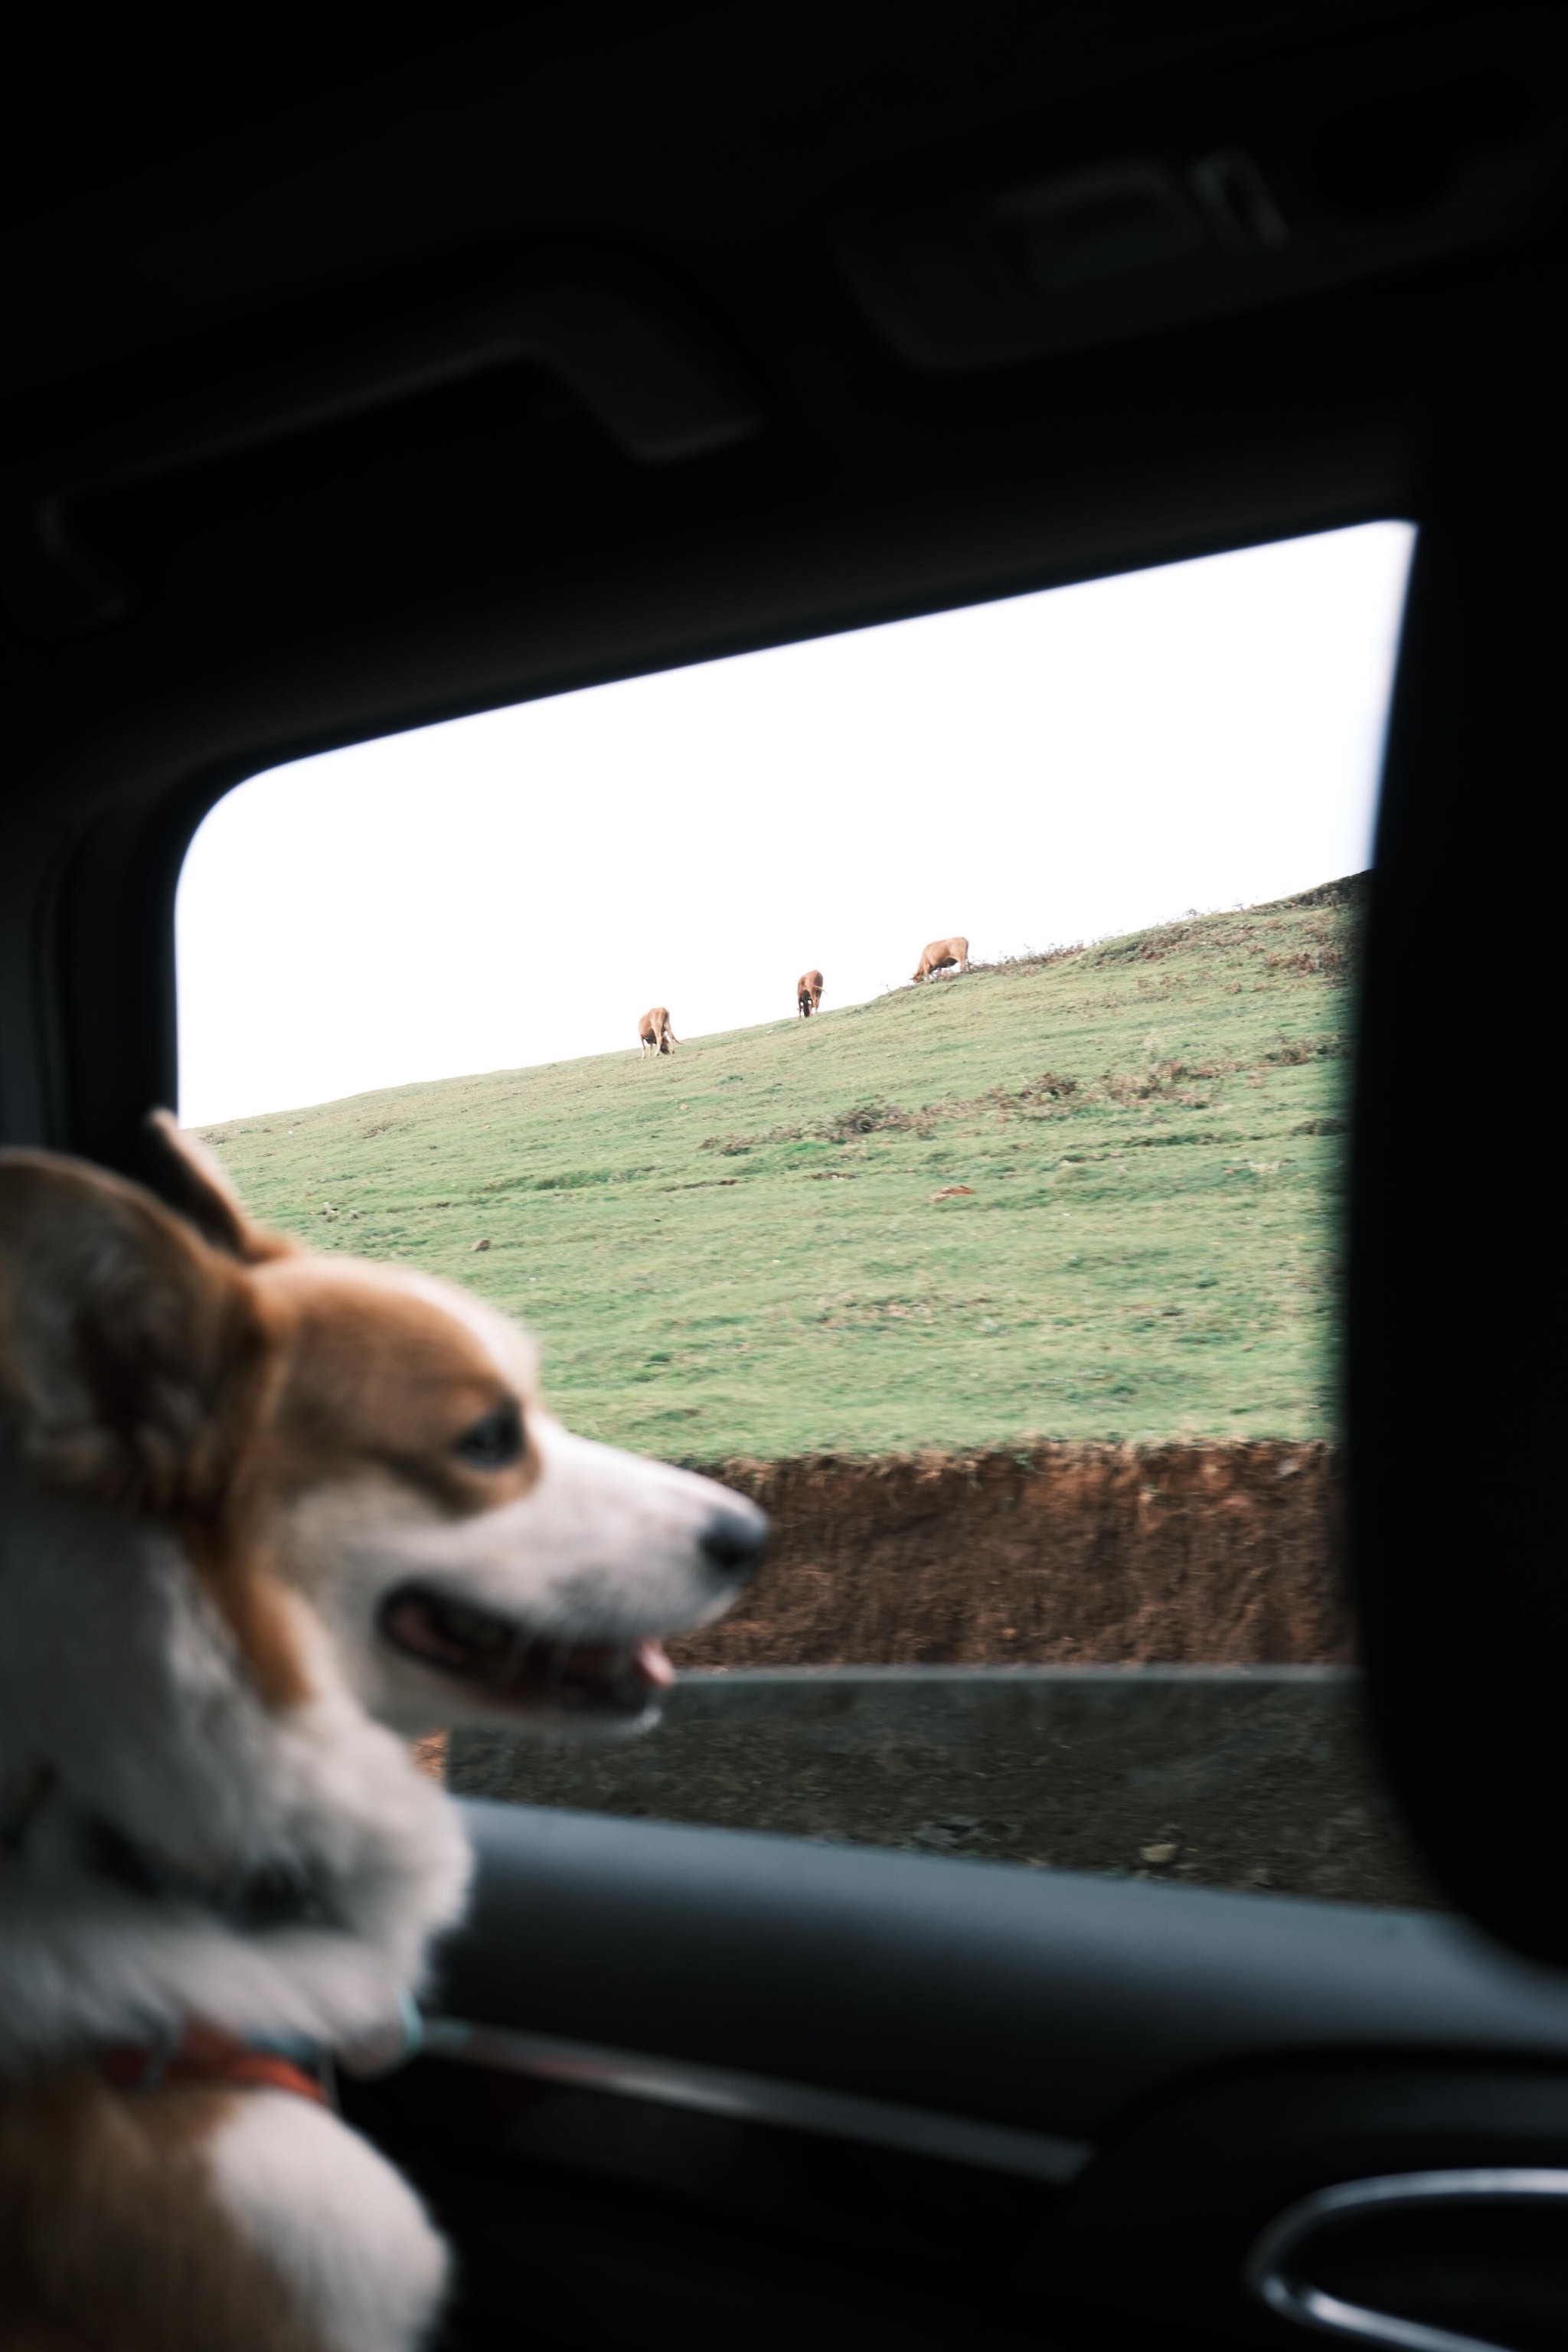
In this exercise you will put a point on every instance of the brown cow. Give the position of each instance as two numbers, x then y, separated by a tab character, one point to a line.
941	955
655	1031
809	993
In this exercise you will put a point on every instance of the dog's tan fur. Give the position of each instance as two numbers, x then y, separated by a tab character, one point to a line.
107	2214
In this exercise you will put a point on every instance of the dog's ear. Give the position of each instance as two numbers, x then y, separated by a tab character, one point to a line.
185	1174
128	1349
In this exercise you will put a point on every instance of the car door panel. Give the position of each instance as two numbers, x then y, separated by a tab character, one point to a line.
637	2017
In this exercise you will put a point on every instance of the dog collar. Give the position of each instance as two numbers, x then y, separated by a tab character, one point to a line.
283	2061
205	2056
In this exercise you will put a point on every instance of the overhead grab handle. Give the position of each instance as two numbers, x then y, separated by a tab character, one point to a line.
656	389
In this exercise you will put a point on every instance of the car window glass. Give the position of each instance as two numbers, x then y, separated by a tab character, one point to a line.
1002	1268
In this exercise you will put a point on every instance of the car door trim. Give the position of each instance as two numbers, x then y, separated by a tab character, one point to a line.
760	2099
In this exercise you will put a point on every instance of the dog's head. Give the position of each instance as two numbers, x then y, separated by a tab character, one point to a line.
356	1444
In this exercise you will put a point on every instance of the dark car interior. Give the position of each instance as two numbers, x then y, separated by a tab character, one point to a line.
360	374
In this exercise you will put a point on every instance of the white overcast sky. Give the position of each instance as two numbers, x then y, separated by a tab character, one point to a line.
518	888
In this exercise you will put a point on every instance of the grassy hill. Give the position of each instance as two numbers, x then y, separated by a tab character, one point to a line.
758	1245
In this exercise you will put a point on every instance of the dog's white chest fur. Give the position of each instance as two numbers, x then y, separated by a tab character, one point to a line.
350	2239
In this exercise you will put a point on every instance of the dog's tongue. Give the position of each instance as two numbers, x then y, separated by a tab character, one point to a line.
653	1665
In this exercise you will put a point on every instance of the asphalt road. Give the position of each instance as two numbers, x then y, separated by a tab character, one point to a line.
1241	1777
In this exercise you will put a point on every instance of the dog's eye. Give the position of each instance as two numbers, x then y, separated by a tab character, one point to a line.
494	1441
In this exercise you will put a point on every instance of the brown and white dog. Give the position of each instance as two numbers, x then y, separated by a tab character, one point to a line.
263	1515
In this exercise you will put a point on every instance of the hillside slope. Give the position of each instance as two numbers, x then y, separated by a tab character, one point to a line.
745	1249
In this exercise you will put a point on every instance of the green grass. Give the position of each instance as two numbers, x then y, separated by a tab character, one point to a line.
736	1251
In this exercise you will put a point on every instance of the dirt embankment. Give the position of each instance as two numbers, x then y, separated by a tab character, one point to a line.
1060	1554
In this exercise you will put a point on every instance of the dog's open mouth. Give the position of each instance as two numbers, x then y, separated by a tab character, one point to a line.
521	1667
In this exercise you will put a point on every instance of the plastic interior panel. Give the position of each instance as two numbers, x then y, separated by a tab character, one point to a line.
1036	1999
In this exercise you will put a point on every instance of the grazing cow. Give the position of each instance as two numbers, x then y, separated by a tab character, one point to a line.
809	993
941	955
655	1031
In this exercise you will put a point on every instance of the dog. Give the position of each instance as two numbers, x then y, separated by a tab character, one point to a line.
265	1517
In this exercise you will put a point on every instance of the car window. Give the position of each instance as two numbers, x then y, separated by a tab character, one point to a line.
970	1197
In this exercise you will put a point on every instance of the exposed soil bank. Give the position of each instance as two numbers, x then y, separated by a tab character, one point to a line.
1054	1555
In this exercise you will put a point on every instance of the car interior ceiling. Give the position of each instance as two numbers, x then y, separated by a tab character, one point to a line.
354	382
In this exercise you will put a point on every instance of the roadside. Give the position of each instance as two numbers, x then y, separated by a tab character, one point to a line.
1051	1554
1134	1660
1250	1778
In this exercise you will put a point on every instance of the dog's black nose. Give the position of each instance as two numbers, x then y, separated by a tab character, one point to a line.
733	1541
